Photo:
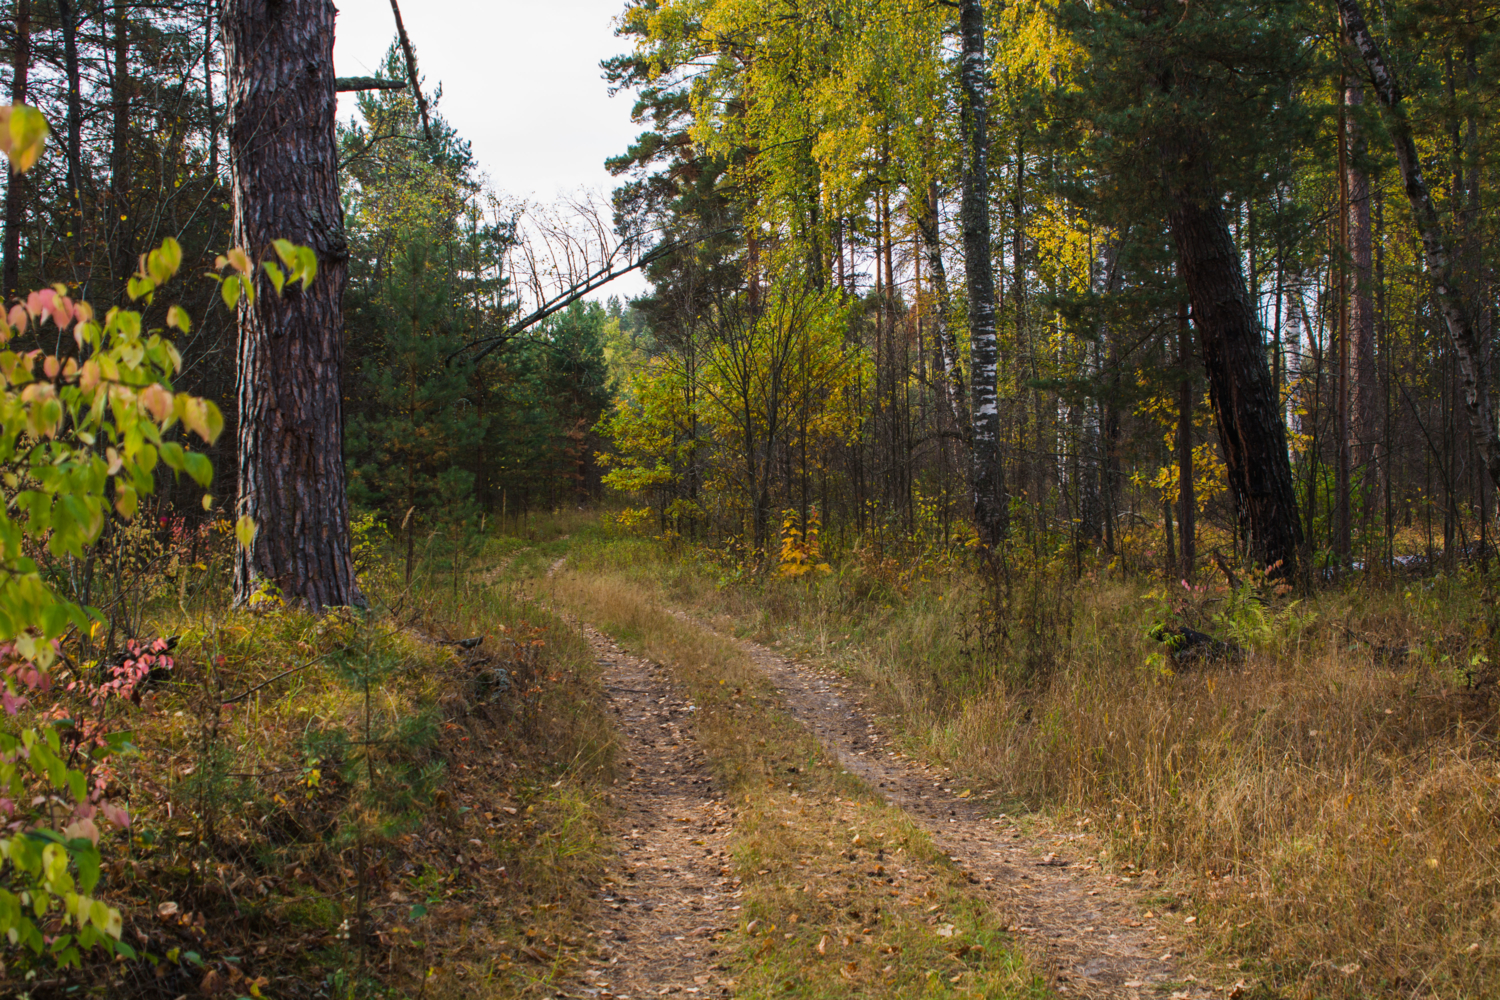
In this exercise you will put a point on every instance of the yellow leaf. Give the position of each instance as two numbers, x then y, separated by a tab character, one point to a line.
244	531
25	136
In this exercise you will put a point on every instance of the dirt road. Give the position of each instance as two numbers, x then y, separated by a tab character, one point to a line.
674	894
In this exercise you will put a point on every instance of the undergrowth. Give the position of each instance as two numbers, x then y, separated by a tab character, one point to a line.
352	805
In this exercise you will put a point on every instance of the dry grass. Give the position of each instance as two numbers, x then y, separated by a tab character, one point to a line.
1330	804
842	895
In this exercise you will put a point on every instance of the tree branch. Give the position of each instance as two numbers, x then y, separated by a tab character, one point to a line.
347	84
573	293
411	69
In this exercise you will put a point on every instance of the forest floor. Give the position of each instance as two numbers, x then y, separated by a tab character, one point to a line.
677	913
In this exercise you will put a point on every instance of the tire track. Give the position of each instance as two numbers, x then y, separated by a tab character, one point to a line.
1096	937
671	894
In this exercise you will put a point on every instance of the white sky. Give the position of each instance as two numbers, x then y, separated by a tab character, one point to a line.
521	81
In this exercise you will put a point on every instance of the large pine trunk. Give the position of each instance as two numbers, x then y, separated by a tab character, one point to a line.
1251	432
990	512
283	164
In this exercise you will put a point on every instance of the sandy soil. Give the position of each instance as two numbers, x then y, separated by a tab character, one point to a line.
672	893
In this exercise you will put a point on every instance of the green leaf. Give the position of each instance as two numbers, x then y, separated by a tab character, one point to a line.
275	274
178	317
307	260
173	455
55	618
214	419
197	465
125	499
88	867
171	255
230	290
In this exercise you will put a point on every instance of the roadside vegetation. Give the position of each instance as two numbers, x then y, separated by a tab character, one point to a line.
344	805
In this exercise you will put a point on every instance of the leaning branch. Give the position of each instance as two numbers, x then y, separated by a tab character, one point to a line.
555	304
1435	246
573	293
411	69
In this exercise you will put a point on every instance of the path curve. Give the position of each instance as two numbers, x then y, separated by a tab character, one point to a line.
1095	936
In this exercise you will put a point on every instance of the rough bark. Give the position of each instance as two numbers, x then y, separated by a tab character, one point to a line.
15	191
353	84
1367	396
283	167
1251	432
1436	249
990	513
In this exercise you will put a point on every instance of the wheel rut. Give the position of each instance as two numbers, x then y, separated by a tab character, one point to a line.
1095	936
670	894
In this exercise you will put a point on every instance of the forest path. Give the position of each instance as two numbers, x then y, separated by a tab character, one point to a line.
670	890
1095	935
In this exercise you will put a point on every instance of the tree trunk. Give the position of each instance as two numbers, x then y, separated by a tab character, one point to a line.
1187	503
1435	245
65	12
990	513
123	256
283	164
15	191
208	96
951	374
1342	431
1367	394
1251	432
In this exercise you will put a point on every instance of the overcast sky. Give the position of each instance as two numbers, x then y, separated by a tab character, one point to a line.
521	81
